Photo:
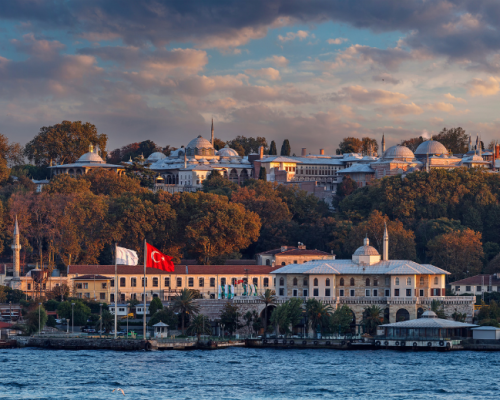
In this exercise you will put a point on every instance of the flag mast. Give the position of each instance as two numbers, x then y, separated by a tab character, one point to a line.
116	293
144	295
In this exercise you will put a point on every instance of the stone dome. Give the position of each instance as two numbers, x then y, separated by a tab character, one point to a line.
398	151
199	143
429	314
366	249
156	156
91	157
430	147
227	152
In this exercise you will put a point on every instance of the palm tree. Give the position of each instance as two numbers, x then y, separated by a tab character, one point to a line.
184	303
438	308
269	297
108	321
372	318
199	325
318	313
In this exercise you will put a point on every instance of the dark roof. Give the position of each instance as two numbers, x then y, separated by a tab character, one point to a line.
478	280
179	269
93	276
189	261
294	251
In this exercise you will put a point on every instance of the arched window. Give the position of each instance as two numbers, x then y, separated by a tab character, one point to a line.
305	282
282	281
266	282
283	263
315	281
396	281
367	281
191	282
294	281
435	280
341	282
421	280
268	262
255	281
327	282
352	281
408	281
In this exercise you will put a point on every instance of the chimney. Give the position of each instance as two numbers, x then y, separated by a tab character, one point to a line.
261	152
304	152
497	151
322	152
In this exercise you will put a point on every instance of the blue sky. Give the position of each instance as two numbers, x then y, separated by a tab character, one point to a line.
311	72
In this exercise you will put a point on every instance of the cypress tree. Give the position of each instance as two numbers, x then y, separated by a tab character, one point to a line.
285	148
272	149
262	174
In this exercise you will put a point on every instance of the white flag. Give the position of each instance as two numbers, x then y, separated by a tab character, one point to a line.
126	257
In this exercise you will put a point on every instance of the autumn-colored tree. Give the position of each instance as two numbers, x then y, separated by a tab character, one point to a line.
247	145
350	145
369	144
454	139
459	252
110	184
66	184
346	187
219	144
64	143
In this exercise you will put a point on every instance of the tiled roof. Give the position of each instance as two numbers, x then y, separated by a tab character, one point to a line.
179	270
92	276
478	280
294	251
429	323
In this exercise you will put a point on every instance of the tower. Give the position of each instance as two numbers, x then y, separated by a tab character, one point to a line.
212	132
383	144
15	282
185	157
385	245
470	143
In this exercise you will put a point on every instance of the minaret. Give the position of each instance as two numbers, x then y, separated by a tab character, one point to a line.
212	131
385	245
15	282
470	143
480	147
185	158
383	144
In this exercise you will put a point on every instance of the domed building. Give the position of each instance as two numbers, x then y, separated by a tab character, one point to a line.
395	160
430	148
200	147
87	162
227	152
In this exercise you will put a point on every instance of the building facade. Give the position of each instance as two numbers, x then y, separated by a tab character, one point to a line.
291	255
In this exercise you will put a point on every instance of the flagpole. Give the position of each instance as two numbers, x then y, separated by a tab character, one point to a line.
116	293
144	285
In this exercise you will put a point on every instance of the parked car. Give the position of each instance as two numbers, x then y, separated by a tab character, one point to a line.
129	315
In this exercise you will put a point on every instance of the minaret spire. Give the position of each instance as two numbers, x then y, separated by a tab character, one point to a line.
185	158
212	131
385	245
15	282
383	144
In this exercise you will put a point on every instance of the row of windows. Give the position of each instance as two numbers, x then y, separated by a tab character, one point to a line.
478	288
368	292
178	281
367	282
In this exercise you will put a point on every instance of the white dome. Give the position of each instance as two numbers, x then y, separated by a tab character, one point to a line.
91	157
214	161
156	156
398	152
430	147
227	152
366	249
199	143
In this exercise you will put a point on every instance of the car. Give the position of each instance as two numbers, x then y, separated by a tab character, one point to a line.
129	315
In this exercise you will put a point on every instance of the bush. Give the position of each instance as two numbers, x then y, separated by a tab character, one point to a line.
51	321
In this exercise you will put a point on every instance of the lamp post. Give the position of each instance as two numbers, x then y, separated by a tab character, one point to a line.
128	308
39	309
100	314
10	311
72	318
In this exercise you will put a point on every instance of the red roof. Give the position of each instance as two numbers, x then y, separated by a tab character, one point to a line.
4	325
93	276
294	251
478	280
179	269
227	262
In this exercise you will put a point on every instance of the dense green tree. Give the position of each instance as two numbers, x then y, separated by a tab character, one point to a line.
108	322
35	320
346	187
472	219
285	148
185	305
244	146
262	174
230	316
341	320
287	315
167	316
454	139
51	321
200	325
369	144
81	311
155	305
272	149
268	298
217	184
350	145
318	314
372	318
427	230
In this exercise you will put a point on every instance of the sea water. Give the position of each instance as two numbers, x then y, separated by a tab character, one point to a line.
239	373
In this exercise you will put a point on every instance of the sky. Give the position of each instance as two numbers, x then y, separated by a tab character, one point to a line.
312	71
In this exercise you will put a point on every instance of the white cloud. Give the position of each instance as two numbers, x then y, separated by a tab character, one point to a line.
301	35
264	73
336	41
483	87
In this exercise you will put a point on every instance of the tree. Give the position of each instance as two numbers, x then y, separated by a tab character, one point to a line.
262	174
200	325
51	305
350	145
219	144
51	321
257	322
346	187
459	252
454	139
369	145
272	149
458	316
110	184
341	320
318	314
244	146
137	170
165	315
372	318
229	318
155	305
64	143
66	184
248	317
285	148
185	305
438	308
268	298
413	143
36	318
287	315
217	184
81	311
108	322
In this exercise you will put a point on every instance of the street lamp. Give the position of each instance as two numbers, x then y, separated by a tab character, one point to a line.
39	309
72	317
100	314
128	308
10	311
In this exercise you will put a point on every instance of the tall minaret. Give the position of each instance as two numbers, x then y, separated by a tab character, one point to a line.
470	143
383	144
212	131
185	157
15	282
385	245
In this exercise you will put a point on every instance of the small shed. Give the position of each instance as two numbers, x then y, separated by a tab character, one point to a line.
161	330
486	332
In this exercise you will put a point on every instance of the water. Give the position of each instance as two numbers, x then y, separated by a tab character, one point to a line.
238	373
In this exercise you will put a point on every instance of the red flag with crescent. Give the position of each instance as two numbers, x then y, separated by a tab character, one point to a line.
156	259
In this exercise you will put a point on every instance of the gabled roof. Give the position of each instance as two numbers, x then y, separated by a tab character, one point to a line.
93	277
279	159
357	168
294	251
481	279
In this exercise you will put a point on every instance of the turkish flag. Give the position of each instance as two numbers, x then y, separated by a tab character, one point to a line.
156	259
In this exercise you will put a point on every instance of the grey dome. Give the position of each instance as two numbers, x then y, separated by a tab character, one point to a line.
227	152
366	251
199	143
91	157
429	314
156	156
398	151
430	147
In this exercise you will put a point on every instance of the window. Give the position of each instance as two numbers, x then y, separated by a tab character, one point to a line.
201	282
294	281
387	293
122	297
352	281
387	281
489	289
408	292
190	282
367	293
352	293
255	281
266	282
268	262
133	282
144	283
167	282
467	289
327	282
282	291
85	285
305	282
283	263
179	282
133	296
102	296
295	261
341	292
316	292
396	292
422	292
29	286
478	288
104	285
112	283
122	282
212	282
155	282
233	281
78	286
282	281
295	292
375	292
408	281
87	295
396	281
435	280
315	281
421	281
305	292
341	282
367	281
375	282
457	288
79	295
327	292
112	297
222	281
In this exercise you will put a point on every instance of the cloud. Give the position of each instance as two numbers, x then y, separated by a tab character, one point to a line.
403	109
264	73
450	97
277	61
337	41
483	87
441	106
360	95
292	36
386	78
